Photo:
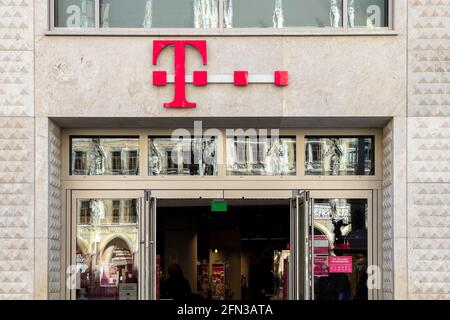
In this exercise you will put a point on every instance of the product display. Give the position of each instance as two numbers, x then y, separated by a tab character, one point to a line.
203	278
218	281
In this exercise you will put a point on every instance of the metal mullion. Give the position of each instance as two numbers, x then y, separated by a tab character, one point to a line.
390	18
51	18
371	239
309	207
153	246
221	14
97	14
141	273
345	14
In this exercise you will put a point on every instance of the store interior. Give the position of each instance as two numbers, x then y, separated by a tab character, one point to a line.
241	253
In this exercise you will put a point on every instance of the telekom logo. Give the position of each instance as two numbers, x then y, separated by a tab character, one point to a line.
201	78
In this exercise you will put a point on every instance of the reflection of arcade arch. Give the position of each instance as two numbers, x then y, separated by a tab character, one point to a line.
325	231
114	237
82	246
329	233
346	230
116	243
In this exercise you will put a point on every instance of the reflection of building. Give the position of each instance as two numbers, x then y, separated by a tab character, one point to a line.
261	156
107	245
339	156
100	156
183	156
334	218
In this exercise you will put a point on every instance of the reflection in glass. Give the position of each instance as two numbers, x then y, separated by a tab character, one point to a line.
201	14
282	13
261	156
183	156
340	249
104	156
75	13
107	249
368	13
334	156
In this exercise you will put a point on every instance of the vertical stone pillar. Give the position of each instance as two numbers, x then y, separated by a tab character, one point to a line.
16	150
428	226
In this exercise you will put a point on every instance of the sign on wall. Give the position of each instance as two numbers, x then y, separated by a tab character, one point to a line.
239	78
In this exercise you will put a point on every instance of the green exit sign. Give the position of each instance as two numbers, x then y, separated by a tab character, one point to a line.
219	206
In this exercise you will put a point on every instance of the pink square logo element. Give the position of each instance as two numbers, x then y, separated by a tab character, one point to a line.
281	78
200	78
159	78
240	78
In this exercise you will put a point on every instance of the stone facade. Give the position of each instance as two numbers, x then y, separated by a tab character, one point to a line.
54	215
387	209
16	150
416	141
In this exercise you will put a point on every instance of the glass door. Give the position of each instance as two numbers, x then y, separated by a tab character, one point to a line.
108	245
341	233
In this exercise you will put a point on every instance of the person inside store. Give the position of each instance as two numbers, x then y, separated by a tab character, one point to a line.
261	281
176	287
361	286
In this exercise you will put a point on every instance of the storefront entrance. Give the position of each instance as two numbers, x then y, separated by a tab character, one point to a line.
240	252
256	245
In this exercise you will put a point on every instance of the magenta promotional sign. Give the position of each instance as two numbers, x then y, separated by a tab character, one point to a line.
341	264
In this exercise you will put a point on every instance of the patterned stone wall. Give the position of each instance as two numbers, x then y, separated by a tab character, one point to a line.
16	150
387	208
54	207
429	149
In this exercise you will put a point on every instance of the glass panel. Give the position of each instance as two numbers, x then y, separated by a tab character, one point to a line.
107	249
159	14
261	156
74	13
182	156
104	156
335	156
282	13
368	13
340	249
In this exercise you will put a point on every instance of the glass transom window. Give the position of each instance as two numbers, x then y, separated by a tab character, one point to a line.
206	14
261	156
283	13
183	156
339	156
97	156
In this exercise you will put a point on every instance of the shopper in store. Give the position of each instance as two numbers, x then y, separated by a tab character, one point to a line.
176	287
361	287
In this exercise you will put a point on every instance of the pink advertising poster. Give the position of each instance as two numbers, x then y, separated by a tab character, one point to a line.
321	266
341	264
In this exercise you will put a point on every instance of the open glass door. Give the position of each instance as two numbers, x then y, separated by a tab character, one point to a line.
300	260
107	244
342	235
